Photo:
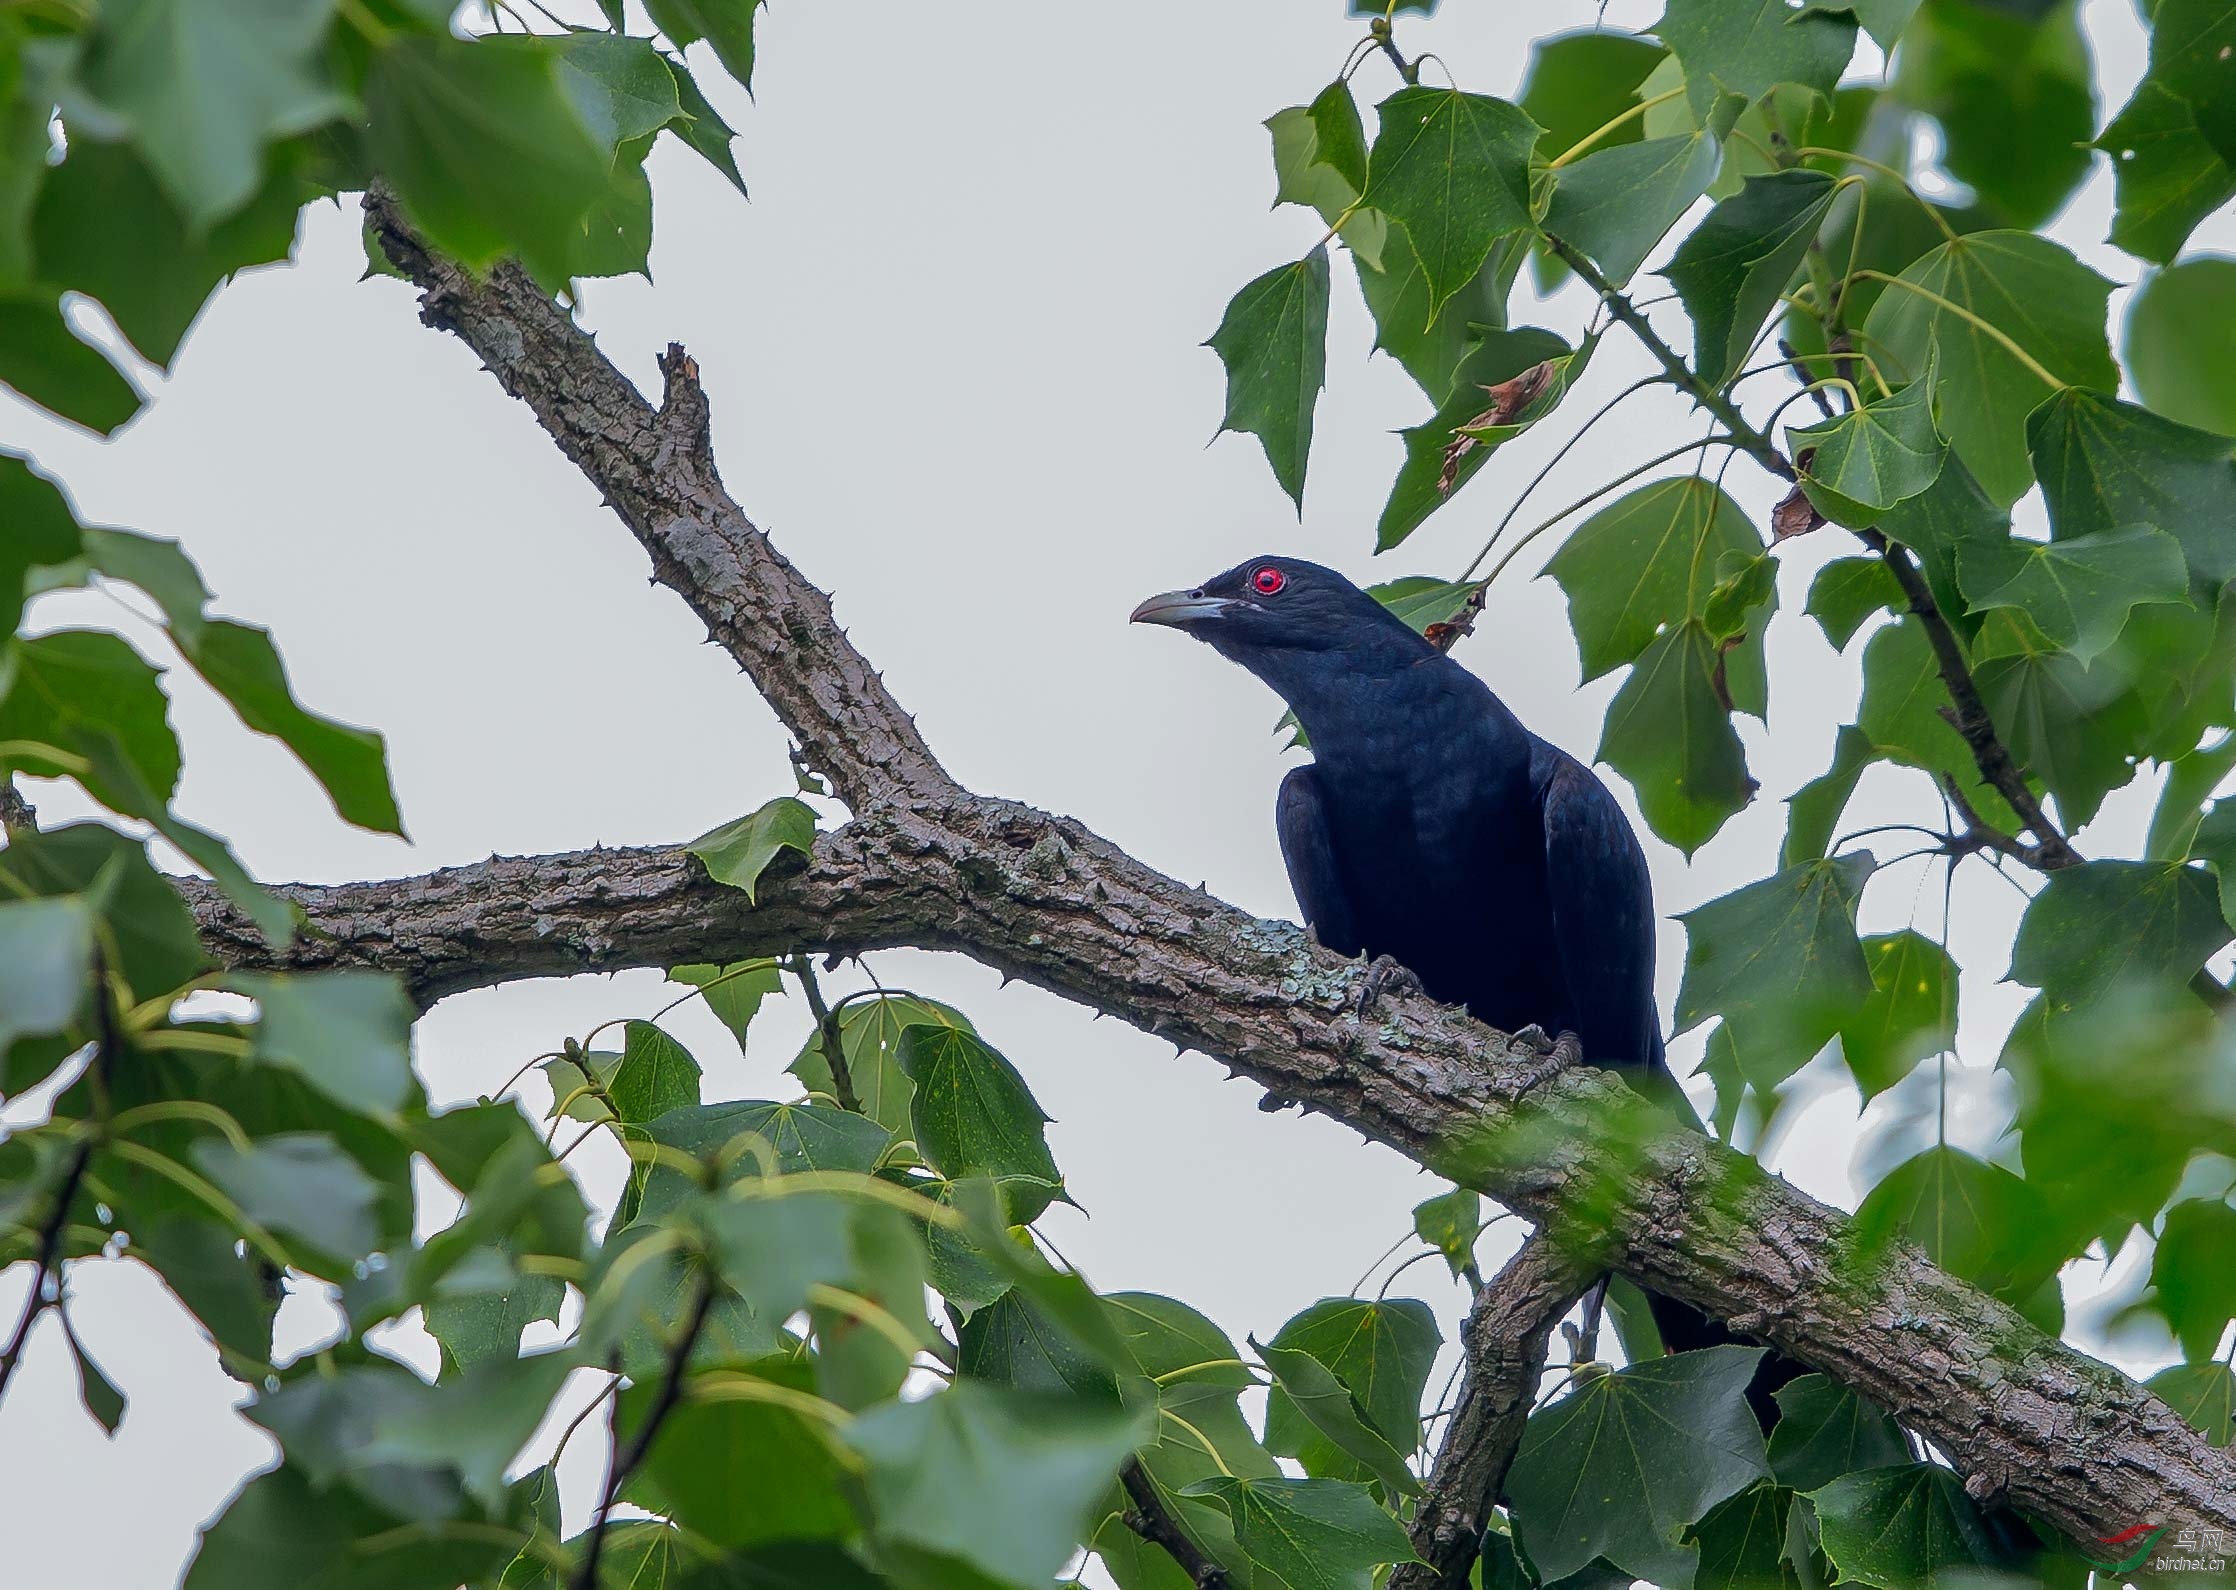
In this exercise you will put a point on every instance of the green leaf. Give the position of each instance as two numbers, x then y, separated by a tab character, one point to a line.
734	992
2074	729
1314	1534
43	360
2103	924
1430	340
101	1397
1273	342
2173	145
1620	1466
1847	593
1910	1525
702	127
1381	1350
1453	170
1732	268
351	764
2194	1273
1743	1542
2203	1394
1900	714
1617	204
1000	1480
1909	1017
1579	82
2034	293
2180	342
475	1327
1438	459
475	1424
42	528
1748	49
204	85
2013	94
712	1454
1013	1342
299	1182
1450	1222
219	1286
2169	177
2077	590
1646	562
620	87
1779	961
972	1115
1424	603
1323	1424
1669	733
1319	160
1813	811
284	1533
1884	20
727	25
46	965
103	226
485	149
656	1075
1825	1430
869	1038
2106	465
1977	1221
1937	524
738	852
347	1033
1863	462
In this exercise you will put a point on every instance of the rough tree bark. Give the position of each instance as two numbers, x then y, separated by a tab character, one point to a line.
1503	1349
927	863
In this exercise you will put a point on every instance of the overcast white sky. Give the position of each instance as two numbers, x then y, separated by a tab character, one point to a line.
952	345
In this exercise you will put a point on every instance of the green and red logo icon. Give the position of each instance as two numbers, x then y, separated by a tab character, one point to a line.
2135	1541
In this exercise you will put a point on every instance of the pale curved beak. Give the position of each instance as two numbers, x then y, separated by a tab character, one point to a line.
1181	608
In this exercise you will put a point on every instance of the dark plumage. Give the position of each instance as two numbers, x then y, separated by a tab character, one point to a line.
1433	828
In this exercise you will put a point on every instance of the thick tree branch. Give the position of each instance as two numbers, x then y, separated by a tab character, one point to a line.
1041	898
1154	1522
1503	1344
655	467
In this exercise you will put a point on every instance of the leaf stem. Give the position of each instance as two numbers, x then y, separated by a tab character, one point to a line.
1616	125
2001	336
1753	442
1814	152
830	1036
1593	496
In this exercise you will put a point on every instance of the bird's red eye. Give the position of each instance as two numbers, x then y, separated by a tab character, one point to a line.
1268	580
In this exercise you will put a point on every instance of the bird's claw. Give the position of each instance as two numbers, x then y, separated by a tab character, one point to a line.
1385	975
1564	1051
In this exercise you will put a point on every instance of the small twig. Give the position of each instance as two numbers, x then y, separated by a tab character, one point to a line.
1409	70
626	1461
1755	443
829	1035
1503	1348
48	1266
1970	716
1154	1522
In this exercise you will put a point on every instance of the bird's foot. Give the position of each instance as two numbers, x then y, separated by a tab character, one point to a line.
1550	1056
1385	975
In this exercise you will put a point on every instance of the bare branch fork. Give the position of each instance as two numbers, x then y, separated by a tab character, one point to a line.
925	862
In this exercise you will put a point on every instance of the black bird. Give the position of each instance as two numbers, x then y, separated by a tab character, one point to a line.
1433	828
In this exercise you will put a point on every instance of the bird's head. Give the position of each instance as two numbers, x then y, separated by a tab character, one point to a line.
1288	621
